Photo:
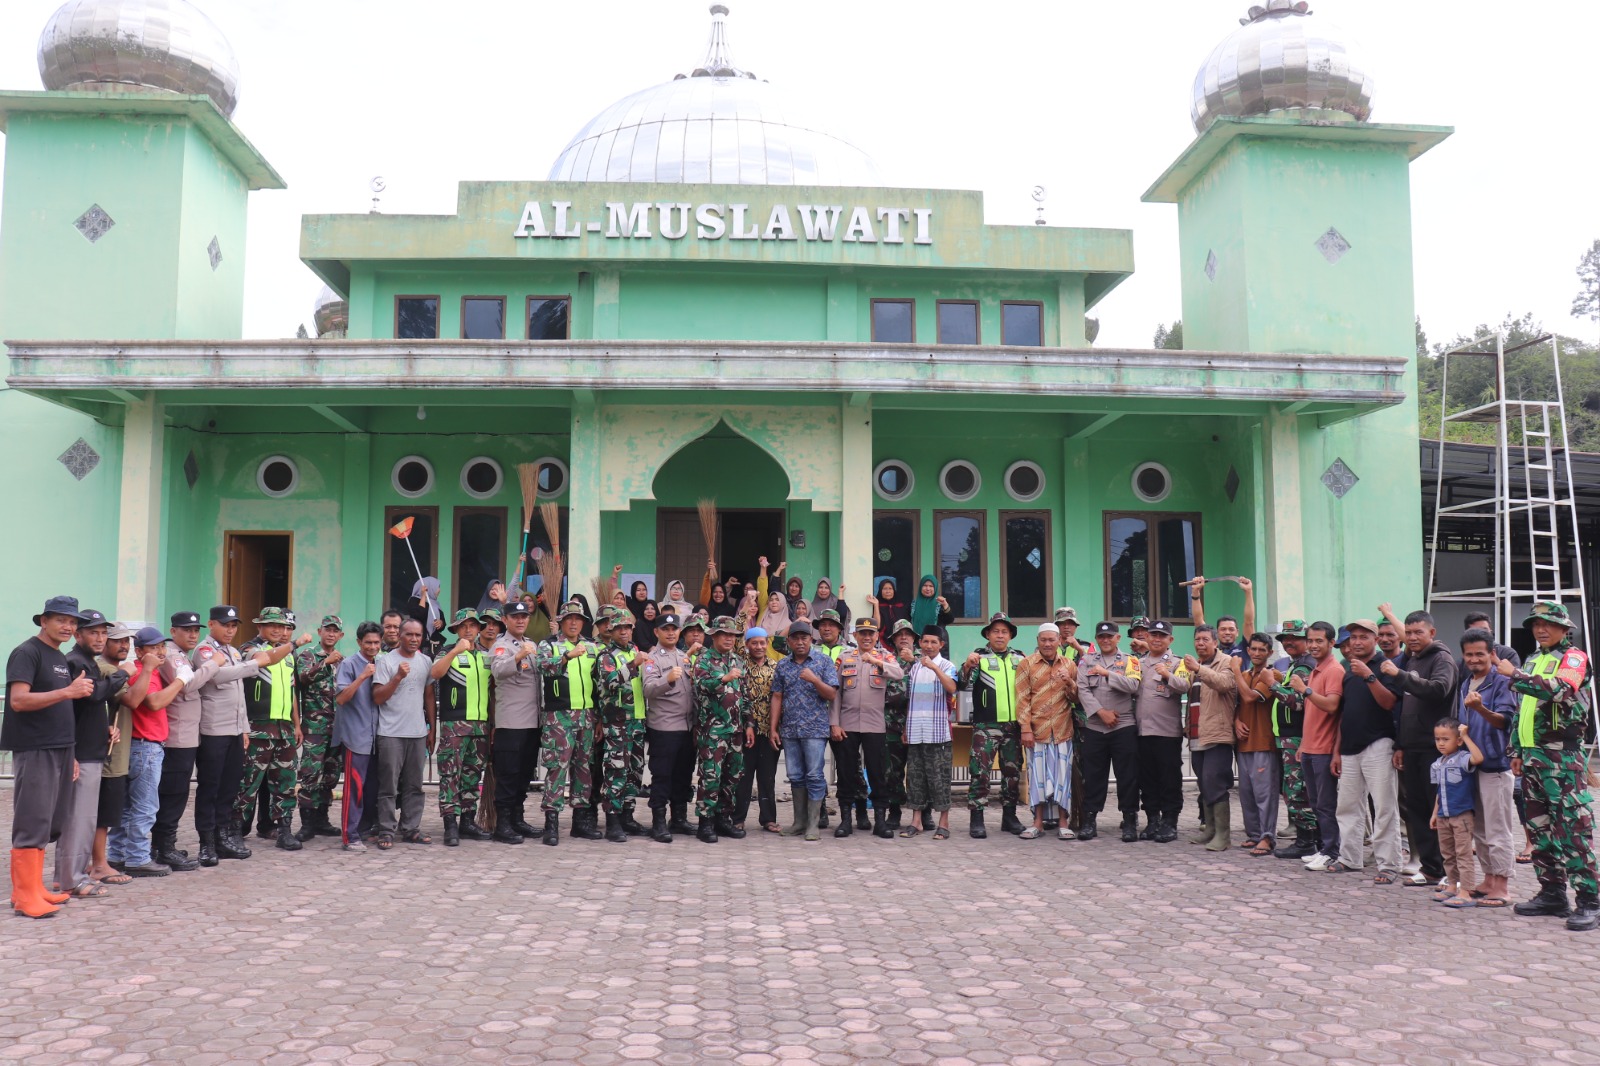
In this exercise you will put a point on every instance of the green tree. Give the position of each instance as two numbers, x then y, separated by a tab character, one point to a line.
1587	303
1170	337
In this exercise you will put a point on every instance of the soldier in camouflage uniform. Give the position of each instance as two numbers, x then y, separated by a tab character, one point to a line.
619	697
463	674
565	662
1548	753
990	672
895	702
273	707
719	730
315	667
1288	724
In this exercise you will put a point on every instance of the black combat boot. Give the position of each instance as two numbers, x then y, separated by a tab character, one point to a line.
658	826
723	823
1130	828
469	828
880	825
1166	829
615	834
846	827
1151	823
591	826
1551	901
308	825
707	833
680	820
1301	846
977	831
1087	830
822	813
552	828
287	840
230	845
1008	820
505	827
167	854
452	833
1586	915
629	824
519	823
862	821
208	849
894	816
324	826
266	828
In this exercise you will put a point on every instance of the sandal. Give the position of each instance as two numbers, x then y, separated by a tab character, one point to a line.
1456	903
942	833
417	838
1029	833
1525	858
1444	895
115	879
1263	847
89	891
1336	867
772	827
910	831
1384	878
1494	901
385	842
1249	845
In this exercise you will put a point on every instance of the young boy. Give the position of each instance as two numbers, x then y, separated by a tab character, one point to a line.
1451	774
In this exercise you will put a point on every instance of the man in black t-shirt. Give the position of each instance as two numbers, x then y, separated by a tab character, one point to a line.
39	730
93	718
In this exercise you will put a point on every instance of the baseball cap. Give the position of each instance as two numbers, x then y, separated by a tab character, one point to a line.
518	607
224	613
332	621
185	620
89	619
864	622
1293	627
1342	636
801	628
667	621
1103	628
121	632
147	636
1160	626
1363	623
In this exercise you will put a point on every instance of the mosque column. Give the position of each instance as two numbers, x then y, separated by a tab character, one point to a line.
356	520
583	494
139	510
855	518
1283	535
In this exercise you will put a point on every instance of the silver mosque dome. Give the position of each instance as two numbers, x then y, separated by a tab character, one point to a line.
1279	59
717	124
331	313
138	46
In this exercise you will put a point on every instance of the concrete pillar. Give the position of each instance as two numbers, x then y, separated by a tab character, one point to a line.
855	518
139	515
1284	533
844	309
583	493
356	520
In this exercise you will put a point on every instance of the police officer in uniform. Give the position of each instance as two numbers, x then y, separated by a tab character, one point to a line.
669	714
1158	708
991	673
566	664
518	692
183	740
859	724
273	707
1108	681
462	672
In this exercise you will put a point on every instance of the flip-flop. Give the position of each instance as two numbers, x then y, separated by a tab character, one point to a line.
1525	858
1456	903
417	838
1383	878
91	890
1443	896
1263	847
115	879
385	842
1494	901
1248	845
773	827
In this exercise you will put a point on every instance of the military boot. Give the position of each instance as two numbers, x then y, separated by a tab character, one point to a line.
552	828
802	817
1151	821
680	820
208	849
880	824
1221	824
1301	846
707	833
614	831
1586	915
519	822
1130	828
975	827
1008	820
629	824
452	833
1087	830
822	813
505	828
1206	831
658	826
723	823
846	827
266	829
470	829
861	814
590	829
1166	829
308	825
230	845
287	841
167	854
894	816
324	825
1551	901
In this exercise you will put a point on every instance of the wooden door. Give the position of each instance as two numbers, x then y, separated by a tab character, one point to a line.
258	566
680	551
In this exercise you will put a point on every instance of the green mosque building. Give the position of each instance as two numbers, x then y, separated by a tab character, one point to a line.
706	296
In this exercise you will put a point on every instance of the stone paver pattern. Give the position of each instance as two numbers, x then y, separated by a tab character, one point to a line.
777	951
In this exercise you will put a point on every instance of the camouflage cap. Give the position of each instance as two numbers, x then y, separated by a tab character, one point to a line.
332	621
272	616
1141	622
1292	627
1065	615
463	616
619	618
491	615
1548	611
902	626
726	624
829	615
570	608
694	621
605	617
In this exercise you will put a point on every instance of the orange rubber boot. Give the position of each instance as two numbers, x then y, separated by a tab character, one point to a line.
27	884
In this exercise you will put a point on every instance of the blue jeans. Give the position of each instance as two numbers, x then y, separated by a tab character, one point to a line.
803	757
130	842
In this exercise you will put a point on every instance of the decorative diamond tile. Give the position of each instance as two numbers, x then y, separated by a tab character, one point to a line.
1339	478
191	469
94	223
214	250
1332	245
79	459
1231	485
1211	266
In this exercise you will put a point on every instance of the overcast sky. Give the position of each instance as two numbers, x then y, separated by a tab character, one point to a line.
1090	100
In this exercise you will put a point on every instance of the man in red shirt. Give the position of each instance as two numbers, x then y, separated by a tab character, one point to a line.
1321	693
128	845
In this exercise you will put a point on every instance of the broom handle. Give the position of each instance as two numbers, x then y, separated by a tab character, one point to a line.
521	559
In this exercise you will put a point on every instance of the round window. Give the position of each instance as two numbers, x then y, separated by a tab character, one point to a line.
413	476
1151	482
277	475
893	479
960	480
552	477
1024	481
481	477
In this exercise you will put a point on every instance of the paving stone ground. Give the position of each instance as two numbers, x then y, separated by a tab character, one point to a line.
773	950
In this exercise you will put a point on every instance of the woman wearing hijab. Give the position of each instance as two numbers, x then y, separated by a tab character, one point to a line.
774	618
644	631
887	606
494	597
825	600
675	601
929	608
720	606
795	593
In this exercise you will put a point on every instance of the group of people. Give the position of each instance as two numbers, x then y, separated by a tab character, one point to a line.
107	735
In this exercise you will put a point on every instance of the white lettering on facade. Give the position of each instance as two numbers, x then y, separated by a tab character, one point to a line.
736	222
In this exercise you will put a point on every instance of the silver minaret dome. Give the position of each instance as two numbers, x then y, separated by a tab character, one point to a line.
1280	60
138	46
719	124
331	314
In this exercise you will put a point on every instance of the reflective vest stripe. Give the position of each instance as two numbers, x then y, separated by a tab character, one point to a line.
1544	664
1004	675
580	679
637	684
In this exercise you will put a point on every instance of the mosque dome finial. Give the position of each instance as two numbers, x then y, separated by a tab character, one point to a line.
1280	60
138	46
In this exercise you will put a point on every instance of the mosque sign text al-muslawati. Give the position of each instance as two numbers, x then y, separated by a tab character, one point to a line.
648	220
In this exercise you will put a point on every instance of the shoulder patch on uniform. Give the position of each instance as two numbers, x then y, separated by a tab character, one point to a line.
500	650
207	651
1575	658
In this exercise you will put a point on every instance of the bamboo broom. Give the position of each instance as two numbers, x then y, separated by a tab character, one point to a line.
550	566
708	530
528	475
